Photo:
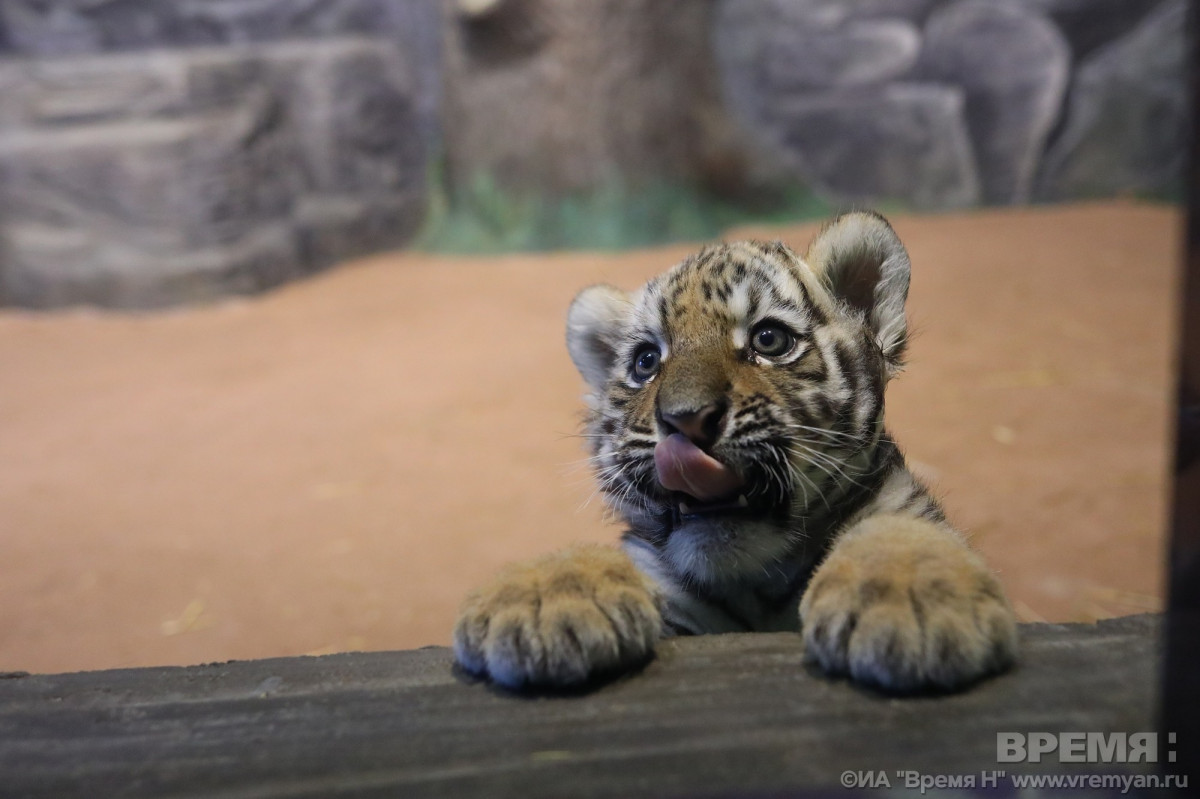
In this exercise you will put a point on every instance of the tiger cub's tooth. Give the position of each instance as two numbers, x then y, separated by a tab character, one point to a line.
684	509
742	502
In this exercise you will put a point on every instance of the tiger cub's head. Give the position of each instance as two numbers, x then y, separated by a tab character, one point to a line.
739	396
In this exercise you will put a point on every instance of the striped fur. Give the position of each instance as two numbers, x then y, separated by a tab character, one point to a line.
803	429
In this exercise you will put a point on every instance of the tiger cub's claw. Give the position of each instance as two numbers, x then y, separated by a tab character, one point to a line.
559	620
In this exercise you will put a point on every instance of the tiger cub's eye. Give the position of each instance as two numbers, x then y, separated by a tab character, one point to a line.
646	362
772	339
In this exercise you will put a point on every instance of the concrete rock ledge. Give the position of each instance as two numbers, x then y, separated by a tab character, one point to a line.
711	716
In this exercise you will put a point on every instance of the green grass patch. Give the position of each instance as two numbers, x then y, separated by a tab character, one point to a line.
485	219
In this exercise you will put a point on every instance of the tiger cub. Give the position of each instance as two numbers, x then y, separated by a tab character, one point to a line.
736	425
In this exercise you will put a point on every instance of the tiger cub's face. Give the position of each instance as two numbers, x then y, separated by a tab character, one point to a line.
737	397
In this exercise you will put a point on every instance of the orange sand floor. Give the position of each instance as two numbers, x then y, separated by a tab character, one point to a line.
333	465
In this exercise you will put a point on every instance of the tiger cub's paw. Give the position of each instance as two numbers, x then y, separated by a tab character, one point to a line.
559	620
905	608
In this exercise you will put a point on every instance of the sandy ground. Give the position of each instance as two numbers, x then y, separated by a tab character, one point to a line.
333	465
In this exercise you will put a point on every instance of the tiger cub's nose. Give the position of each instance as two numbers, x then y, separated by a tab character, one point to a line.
702	427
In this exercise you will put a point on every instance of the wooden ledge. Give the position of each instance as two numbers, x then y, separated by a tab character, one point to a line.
717	715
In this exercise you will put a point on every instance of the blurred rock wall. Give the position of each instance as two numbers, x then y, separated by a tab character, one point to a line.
561	96
951	103
163	151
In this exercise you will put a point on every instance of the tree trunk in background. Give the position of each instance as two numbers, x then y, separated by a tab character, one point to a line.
564	96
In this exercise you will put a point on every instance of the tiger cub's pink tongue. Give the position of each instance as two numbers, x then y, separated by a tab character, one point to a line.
682	466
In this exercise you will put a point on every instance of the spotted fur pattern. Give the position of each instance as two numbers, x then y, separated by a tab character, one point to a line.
831	533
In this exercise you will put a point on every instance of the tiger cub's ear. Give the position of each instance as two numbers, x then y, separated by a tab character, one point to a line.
863	263
594	325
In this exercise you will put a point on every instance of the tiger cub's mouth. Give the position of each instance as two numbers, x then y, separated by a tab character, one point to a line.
700	484
689	507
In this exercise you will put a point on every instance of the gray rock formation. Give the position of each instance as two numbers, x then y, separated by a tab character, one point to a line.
819	12
786	60
904	141
1090	24
1013	66
55	27
153	151
136	180
915	10
853	53
775	53
1127	116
